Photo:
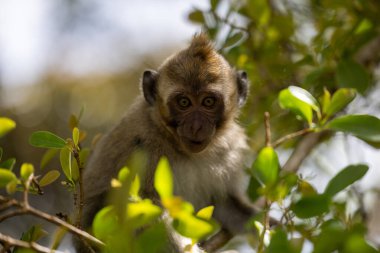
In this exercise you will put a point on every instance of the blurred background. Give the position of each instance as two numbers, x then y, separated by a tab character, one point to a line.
59	56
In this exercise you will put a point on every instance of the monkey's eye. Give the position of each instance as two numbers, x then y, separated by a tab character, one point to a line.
208	101
184	102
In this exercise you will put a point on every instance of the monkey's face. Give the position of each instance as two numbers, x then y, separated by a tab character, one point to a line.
194	93
194	118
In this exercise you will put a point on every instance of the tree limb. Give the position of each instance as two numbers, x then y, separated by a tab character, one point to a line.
7	240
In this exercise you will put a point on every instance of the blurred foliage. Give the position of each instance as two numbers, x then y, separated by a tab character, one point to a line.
306	61
313	44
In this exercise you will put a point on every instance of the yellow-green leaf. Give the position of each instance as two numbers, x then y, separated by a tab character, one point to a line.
65	159
6	125
193	227
27	169
325	100
49	178
340	100
45	139
6	176
105	223
11	187
47	157
266	166
123	174
142	212
163	179
135	187
76	136
205	213
295	105
304	96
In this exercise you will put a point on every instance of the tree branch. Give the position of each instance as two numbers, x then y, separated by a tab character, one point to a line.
216	241
7	240
81	191
291	136
302	150
24	208
267	129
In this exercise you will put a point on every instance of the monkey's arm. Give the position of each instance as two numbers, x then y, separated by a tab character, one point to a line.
233	213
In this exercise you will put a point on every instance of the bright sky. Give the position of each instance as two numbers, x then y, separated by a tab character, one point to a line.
32	40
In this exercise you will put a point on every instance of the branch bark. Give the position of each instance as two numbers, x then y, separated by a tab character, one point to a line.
7	240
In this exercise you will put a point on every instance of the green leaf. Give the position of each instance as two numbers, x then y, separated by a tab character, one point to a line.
33	234
45	139
332	236
142	213
365	127
266	166
234	40
305	188
49	178
192	227
8	164
105	223
205	213
156	235
310	206
76	136
123	174
345	177
65	159
350	74
6	125
325	100
11	187
214	4
357	243
279	243
27	169
47	157
340	100
163	179
304	96
253	187
135	187
295	105
196	16
1	153
6	176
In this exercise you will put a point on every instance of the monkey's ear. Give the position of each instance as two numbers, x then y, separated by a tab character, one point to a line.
149	88
242	86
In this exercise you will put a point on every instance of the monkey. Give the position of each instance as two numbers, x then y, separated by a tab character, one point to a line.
188	112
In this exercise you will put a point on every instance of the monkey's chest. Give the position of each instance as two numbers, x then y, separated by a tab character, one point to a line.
202	182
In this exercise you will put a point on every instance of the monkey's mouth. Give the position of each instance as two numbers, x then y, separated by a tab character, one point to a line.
196	142
195	146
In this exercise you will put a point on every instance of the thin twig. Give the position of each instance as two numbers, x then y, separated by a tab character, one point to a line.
19	212
266	226
81	191
268	135
26	209
230	24
291	136
28	245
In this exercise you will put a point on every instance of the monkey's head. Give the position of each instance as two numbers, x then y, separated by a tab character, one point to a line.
195	93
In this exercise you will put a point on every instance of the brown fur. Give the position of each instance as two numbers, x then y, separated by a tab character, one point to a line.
213	176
